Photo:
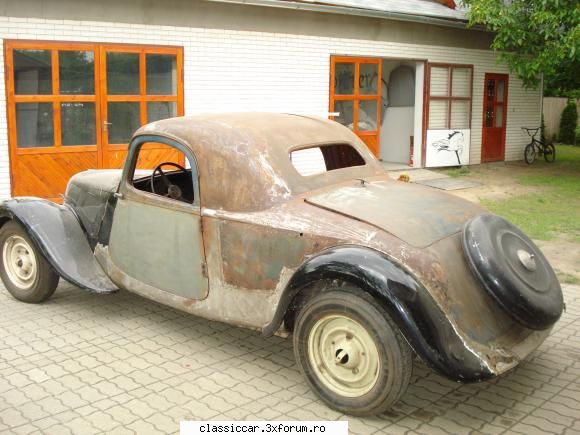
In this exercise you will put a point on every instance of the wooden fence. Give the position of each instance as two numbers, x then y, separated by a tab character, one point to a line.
553	107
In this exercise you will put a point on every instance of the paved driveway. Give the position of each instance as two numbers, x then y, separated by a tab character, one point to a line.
82	363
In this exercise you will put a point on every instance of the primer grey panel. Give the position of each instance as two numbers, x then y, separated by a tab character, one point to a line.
160	247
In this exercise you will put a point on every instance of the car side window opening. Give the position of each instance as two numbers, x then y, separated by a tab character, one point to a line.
169	175
323	158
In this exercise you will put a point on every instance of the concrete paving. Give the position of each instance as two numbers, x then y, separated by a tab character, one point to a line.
82	363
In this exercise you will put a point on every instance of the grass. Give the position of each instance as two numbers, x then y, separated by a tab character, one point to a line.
555	208
566	278
461	171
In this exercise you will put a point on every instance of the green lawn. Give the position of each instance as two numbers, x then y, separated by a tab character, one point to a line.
555	208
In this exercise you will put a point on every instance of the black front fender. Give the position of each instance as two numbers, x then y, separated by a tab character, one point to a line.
60	237
420	319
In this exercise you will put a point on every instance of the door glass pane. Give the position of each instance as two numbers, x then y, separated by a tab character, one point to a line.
490	89
161	74
34	125
77	72
499	115
438	112
500	90
344	78
78	124
346	113
489	117
161	110
460	114
124	120
367	115
32	72
123	73
368	80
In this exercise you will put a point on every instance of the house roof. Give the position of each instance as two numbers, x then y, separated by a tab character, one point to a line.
432	11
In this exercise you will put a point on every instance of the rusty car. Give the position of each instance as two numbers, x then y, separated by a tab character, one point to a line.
289	225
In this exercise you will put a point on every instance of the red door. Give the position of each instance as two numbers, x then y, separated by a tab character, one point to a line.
494	117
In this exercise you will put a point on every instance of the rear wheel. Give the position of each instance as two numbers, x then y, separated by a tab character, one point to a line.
351	353
24	271
530	153
549	153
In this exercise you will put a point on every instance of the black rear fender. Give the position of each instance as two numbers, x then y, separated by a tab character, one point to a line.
419	318
60	237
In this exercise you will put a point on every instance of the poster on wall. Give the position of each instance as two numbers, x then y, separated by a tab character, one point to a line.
447	147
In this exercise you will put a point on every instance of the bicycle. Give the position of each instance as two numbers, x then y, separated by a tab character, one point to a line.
538	148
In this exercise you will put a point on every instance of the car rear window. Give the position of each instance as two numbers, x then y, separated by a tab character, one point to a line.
324	158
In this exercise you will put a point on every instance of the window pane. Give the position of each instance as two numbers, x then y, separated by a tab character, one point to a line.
77	72
161	74
32	72
367	115
460	114
439	83
500	90
499	116
368	81
344	78
123	73
490	89
438	114
78	124
162	110
34	125
460	87
124	120
346	113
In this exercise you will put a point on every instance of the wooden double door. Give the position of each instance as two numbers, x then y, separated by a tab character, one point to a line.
74	106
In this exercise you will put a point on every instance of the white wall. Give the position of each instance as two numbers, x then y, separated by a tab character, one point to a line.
229	70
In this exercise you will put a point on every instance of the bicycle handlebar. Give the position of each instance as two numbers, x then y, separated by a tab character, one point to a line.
535	130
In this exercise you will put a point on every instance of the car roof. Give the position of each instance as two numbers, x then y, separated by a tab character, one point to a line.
243	159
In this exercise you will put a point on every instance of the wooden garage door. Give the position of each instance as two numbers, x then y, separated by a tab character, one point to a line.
74	106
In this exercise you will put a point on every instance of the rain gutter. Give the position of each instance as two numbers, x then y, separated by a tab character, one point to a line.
345	10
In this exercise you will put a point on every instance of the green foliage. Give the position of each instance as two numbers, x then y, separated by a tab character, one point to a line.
535	37
543	130
578	135
568	123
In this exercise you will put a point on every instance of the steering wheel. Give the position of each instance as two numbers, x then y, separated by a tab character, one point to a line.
173	191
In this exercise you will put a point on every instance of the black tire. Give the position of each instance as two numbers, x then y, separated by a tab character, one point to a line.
550	153
530	153
33	287
392	370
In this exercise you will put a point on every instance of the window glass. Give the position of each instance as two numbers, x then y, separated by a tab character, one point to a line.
461	82
77	72
32	72
368	81
161	110
124	119
316	160
438	111
161	74
344	78
460	114
123	73
500	90
439	84
78	123
367	115
173	174
499	116
345	109
34	125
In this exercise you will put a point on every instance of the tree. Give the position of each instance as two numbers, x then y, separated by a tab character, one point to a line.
568	123
535	37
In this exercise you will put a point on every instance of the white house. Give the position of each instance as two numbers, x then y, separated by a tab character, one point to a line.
407	76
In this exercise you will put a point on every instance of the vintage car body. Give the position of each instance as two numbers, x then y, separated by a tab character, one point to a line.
260	238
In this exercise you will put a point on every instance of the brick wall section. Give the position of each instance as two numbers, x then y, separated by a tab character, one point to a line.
230	70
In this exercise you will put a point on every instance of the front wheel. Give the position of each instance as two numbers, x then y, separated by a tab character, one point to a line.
351	353
549	153
530	153
24	271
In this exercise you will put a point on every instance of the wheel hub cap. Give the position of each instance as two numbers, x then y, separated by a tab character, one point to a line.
528	260
19	262
344	355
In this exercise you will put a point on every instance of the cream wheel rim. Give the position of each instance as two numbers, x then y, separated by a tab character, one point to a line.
343	355
19	262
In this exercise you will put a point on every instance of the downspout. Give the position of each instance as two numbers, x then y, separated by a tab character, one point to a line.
345	10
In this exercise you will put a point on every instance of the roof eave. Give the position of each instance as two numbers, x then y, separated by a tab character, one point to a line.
343	10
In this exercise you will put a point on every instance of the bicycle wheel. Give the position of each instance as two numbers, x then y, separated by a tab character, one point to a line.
549	153
530	153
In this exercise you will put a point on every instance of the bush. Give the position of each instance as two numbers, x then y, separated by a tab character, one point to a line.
578	135
568	123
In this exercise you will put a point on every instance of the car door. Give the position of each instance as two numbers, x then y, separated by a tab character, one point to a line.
156	240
